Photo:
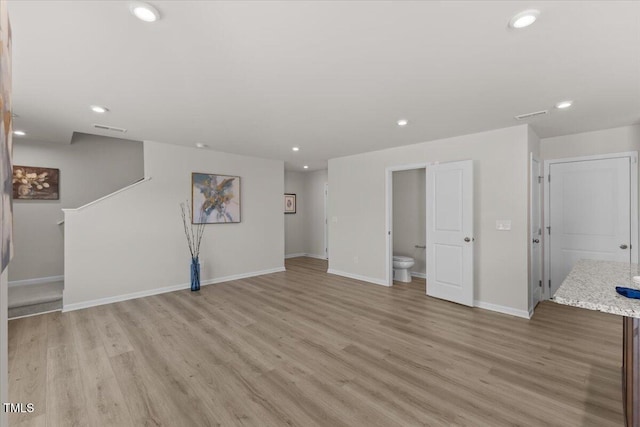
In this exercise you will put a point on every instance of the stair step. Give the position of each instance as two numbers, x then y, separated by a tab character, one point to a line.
29	295
28	310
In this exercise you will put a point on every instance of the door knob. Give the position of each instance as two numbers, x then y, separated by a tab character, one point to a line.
466	239
536	240
623	246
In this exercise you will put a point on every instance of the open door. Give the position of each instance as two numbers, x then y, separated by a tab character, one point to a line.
450	231
535	233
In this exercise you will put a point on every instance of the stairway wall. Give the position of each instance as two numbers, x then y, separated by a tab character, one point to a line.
132	244
90	167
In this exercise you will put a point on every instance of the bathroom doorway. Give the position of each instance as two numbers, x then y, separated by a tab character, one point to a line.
449	236
449	229
406	205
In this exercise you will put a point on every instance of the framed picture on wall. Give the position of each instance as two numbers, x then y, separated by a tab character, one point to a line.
35	183
289	203
215	198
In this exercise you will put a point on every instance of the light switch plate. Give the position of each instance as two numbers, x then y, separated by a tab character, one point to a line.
503	224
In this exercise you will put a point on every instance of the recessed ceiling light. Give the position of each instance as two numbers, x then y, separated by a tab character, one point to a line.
564	104
306	166
201	145
99	109
295	148
19	133
524	18
403	122
144	11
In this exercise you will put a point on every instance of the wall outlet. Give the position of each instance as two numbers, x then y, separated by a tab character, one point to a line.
334	219
355	259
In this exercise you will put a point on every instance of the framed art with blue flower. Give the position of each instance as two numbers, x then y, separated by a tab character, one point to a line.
215	198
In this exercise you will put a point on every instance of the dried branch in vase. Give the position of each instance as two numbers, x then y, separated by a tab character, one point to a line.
192	231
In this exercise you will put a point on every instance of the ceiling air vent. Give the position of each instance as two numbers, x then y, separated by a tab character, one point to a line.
531	115
109	128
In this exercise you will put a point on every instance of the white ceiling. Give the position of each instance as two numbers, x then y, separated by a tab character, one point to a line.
331	77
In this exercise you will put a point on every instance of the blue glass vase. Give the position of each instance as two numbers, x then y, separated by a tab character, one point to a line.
195	274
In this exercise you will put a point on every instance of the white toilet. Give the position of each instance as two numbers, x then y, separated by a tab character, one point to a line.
401	266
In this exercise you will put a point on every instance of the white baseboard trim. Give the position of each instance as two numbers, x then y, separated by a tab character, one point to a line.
156	291
36	281
502	309
241	276
305	254
420	275
294	255
358	277
316	256
34	314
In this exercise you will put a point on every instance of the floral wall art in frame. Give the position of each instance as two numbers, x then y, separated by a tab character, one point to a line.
289	203
35	183
217	197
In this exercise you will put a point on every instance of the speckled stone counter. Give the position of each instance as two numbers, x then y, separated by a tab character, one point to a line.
592	285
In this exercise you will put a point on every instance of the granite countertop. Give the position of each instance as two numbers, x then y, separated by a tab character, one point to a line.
592	285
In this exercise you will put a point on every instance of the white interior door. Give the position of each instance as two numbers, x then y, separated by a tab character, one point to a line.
589	214
450	231
535	234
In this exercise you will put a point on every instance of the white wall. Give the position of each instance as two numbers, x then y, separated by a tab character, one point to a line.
304	230
615	140
295	227
409	216
357	211
314	191
91	167
133	244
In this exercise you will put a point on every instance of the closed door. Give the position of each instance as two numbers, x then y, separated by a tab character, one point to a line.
589	214
535	234
450	231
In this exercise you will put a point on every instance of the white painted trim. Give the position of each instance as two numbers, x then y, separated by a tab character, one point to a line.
633	169
326	220
410	166
502	309
388	202
358	277
316	256
294	255
532	183
145	179
420	275
302	254
156	291
36	281
34	314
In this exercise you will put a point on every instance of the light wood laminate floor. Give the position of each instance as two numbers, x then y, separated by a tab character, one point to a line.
307	348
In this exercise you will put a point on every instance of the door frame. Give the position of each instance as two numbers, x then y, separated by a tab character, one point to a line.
633	170
533	181
388	201
326	220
